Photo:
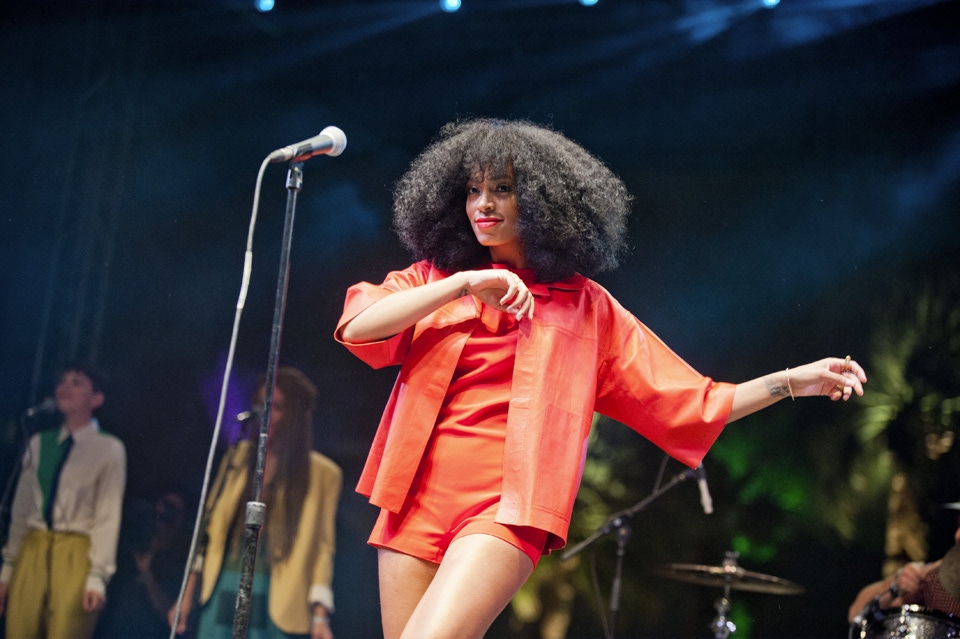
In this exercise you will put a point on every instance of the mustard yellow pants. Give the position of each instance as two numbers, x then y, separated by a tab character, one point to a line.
45	598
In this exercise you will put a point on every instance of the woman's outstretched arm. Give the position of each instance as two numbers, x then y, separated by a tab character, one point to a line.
832	377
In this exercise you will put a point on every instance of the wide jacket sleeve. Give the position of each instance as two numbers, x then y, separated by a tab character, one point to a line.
645	385
361	296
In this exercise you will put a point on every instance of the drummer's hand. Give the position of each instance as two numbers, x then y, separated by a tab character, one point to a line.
908	578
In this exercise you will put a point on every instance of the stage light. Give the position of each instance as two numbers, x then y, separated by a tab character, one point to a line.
769	4
264	5
588	3
449	5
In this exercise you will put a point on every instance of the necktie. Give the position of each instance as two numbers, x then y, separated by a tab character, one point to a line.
48	506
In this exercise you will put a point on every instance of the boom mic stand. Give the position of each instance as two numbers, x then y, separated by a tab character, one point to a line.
26	432
256	510
618	522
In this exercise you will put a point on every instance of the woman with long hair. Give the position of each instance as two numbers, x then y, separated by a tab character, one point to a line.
292	595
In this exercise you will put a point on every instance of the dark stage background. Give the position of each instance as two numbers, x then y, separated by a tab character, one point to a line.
795	170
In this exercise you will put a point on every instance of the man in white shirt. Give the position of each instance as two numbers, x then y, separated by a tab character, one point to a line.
65	519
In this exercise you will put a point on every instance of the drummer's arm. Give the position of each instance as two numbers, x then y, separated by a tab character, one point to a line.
868	593
907	581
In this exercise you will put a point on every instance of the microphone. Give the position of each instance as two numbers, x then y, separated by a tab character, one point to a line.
247	415
48	405
705	499
330	141
871	612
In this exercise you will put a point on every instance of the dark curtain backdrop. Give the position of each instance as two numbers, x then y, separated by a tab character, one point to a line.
794	167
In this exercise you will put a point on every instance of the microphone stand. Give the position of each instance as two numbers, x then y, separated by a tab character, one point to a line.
256	510
618	522
26	432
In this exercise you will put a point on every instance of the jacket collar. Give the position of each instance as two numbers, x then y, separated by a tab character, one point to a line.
542	289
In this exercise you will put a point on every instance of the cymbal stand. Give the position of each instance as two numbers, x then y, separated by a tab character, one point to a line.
721	626
619	523
623	535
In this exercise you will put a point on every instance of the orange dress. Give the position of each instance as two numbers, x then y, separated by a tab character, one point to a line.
457	487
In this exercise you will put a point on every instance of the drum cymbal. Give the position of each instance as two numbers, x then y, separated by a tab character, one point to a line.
735	576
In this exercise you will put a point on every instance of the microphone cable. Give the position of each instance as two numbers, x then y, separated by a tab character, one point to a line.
199	522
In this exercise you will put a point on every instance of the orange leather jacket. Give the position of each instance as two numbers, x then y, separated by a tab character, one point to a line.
582	352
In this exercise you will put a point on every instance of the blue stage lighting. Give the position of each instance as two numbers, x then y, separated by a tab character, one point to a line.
588	3
449	5
264	5
769	4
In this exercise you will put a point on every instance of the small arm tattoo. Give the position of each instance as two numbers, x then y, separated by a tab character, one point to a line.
462	292
775	387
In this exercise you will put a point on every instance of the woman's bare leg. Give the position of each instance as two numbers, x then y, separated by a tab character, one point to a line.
403	580
477	578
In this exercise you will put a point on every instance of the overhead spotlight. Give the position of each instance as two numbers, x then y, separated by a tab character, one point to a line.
264	5
450	5
769	4
588	3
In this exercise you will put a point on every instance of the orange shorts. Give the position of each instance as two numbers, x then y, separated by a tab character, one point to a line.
455	493
429	538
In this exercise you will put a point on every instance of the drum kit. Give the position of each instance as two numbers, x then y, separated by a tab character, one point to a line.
911	622
906	622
